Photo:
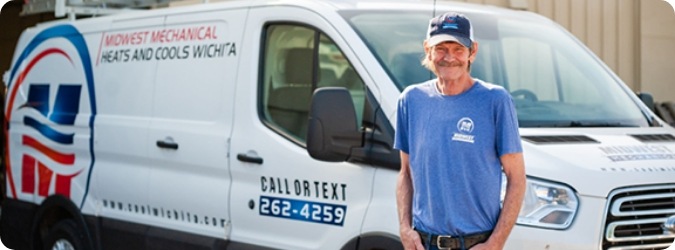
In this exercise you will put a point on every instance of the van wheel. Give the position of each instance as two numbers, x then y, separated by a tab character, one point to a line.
65	235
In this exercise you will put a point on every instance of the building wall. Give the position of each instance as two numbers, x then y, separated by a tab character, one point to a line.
657	46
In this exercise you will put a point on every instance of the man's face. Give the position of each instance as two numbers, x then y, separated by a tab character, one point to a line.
450	60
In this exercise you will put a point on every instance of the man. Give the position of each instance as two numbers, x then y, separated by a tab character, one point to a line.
456	135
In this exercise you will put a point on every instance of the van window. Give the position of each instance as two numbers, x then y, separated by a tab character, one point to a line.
554	80
533	69
297	60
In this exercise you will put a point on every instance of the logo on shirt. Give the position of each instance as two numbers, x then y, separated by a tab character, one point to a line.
465	127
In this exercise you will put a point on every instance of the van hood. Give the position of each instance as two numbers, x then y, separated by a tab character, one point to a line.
595	161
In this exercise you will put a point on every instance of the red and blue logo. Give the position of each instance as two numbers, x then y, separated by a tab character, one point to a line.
50	113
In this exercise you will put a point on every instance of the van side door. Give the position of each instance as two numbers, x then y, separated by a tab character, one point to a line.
281	197
191	125
125	92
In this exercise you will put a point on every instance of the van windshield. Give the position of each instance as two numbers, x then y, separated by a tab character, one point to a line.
554	81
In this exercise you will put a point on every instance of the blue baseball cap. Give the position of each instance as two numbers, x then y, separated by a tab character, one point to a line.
450	26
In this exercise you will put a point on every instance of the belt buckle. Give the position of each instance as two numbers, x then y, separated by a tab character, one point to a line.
439	239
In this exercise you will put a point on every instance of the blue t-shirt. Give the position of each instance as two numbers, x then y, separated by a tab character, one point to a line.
454	143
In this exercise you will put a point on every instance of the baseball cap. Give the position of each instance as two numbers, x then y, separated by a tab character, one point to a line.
450	26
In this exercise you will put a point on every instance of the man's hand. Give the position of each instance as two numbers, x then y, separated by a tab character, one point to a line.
411	239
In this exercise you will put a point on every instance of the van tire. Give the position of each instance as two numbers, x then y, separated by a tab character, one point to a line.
65	235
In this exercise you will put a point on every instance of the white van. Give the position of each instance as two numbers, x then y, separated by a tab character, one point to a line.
190	128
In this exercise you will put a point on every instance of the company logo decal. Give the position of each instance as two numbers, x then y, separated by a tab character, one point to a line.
64	112
50	113
637	153
465	127
175	43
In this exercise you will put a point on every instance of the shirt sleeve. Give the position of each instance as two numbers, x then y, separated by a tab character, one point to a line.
401	137
508	137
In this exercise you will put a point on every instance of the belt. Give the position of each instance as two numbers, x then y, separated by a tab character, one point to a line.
455	242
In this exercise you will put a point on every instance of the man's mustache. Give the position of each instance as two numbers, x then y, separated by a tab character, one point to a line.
450	64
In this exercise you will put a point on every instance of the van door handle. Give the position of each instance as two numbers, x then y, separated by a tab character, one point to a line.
248	158
167	143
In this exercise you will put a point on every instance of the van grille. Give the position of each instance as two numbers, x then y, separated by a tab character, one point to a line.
635	218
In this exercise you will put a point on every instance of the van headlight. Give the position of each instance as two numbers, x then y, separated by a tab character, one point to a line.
546	204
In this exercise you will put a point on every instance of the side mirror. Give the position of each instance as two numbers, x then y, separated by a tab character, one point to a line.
333	130
647	99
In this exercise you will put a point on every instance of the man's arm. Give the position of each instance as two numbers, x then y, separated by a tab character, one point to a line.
514	169
404	190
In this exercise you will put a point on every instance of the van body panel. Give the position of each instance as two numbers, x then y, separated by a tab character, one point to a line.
380	213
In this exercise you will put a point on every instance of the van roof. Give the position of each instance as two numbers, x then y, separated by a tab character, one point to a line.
382	5
340	5
322	6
